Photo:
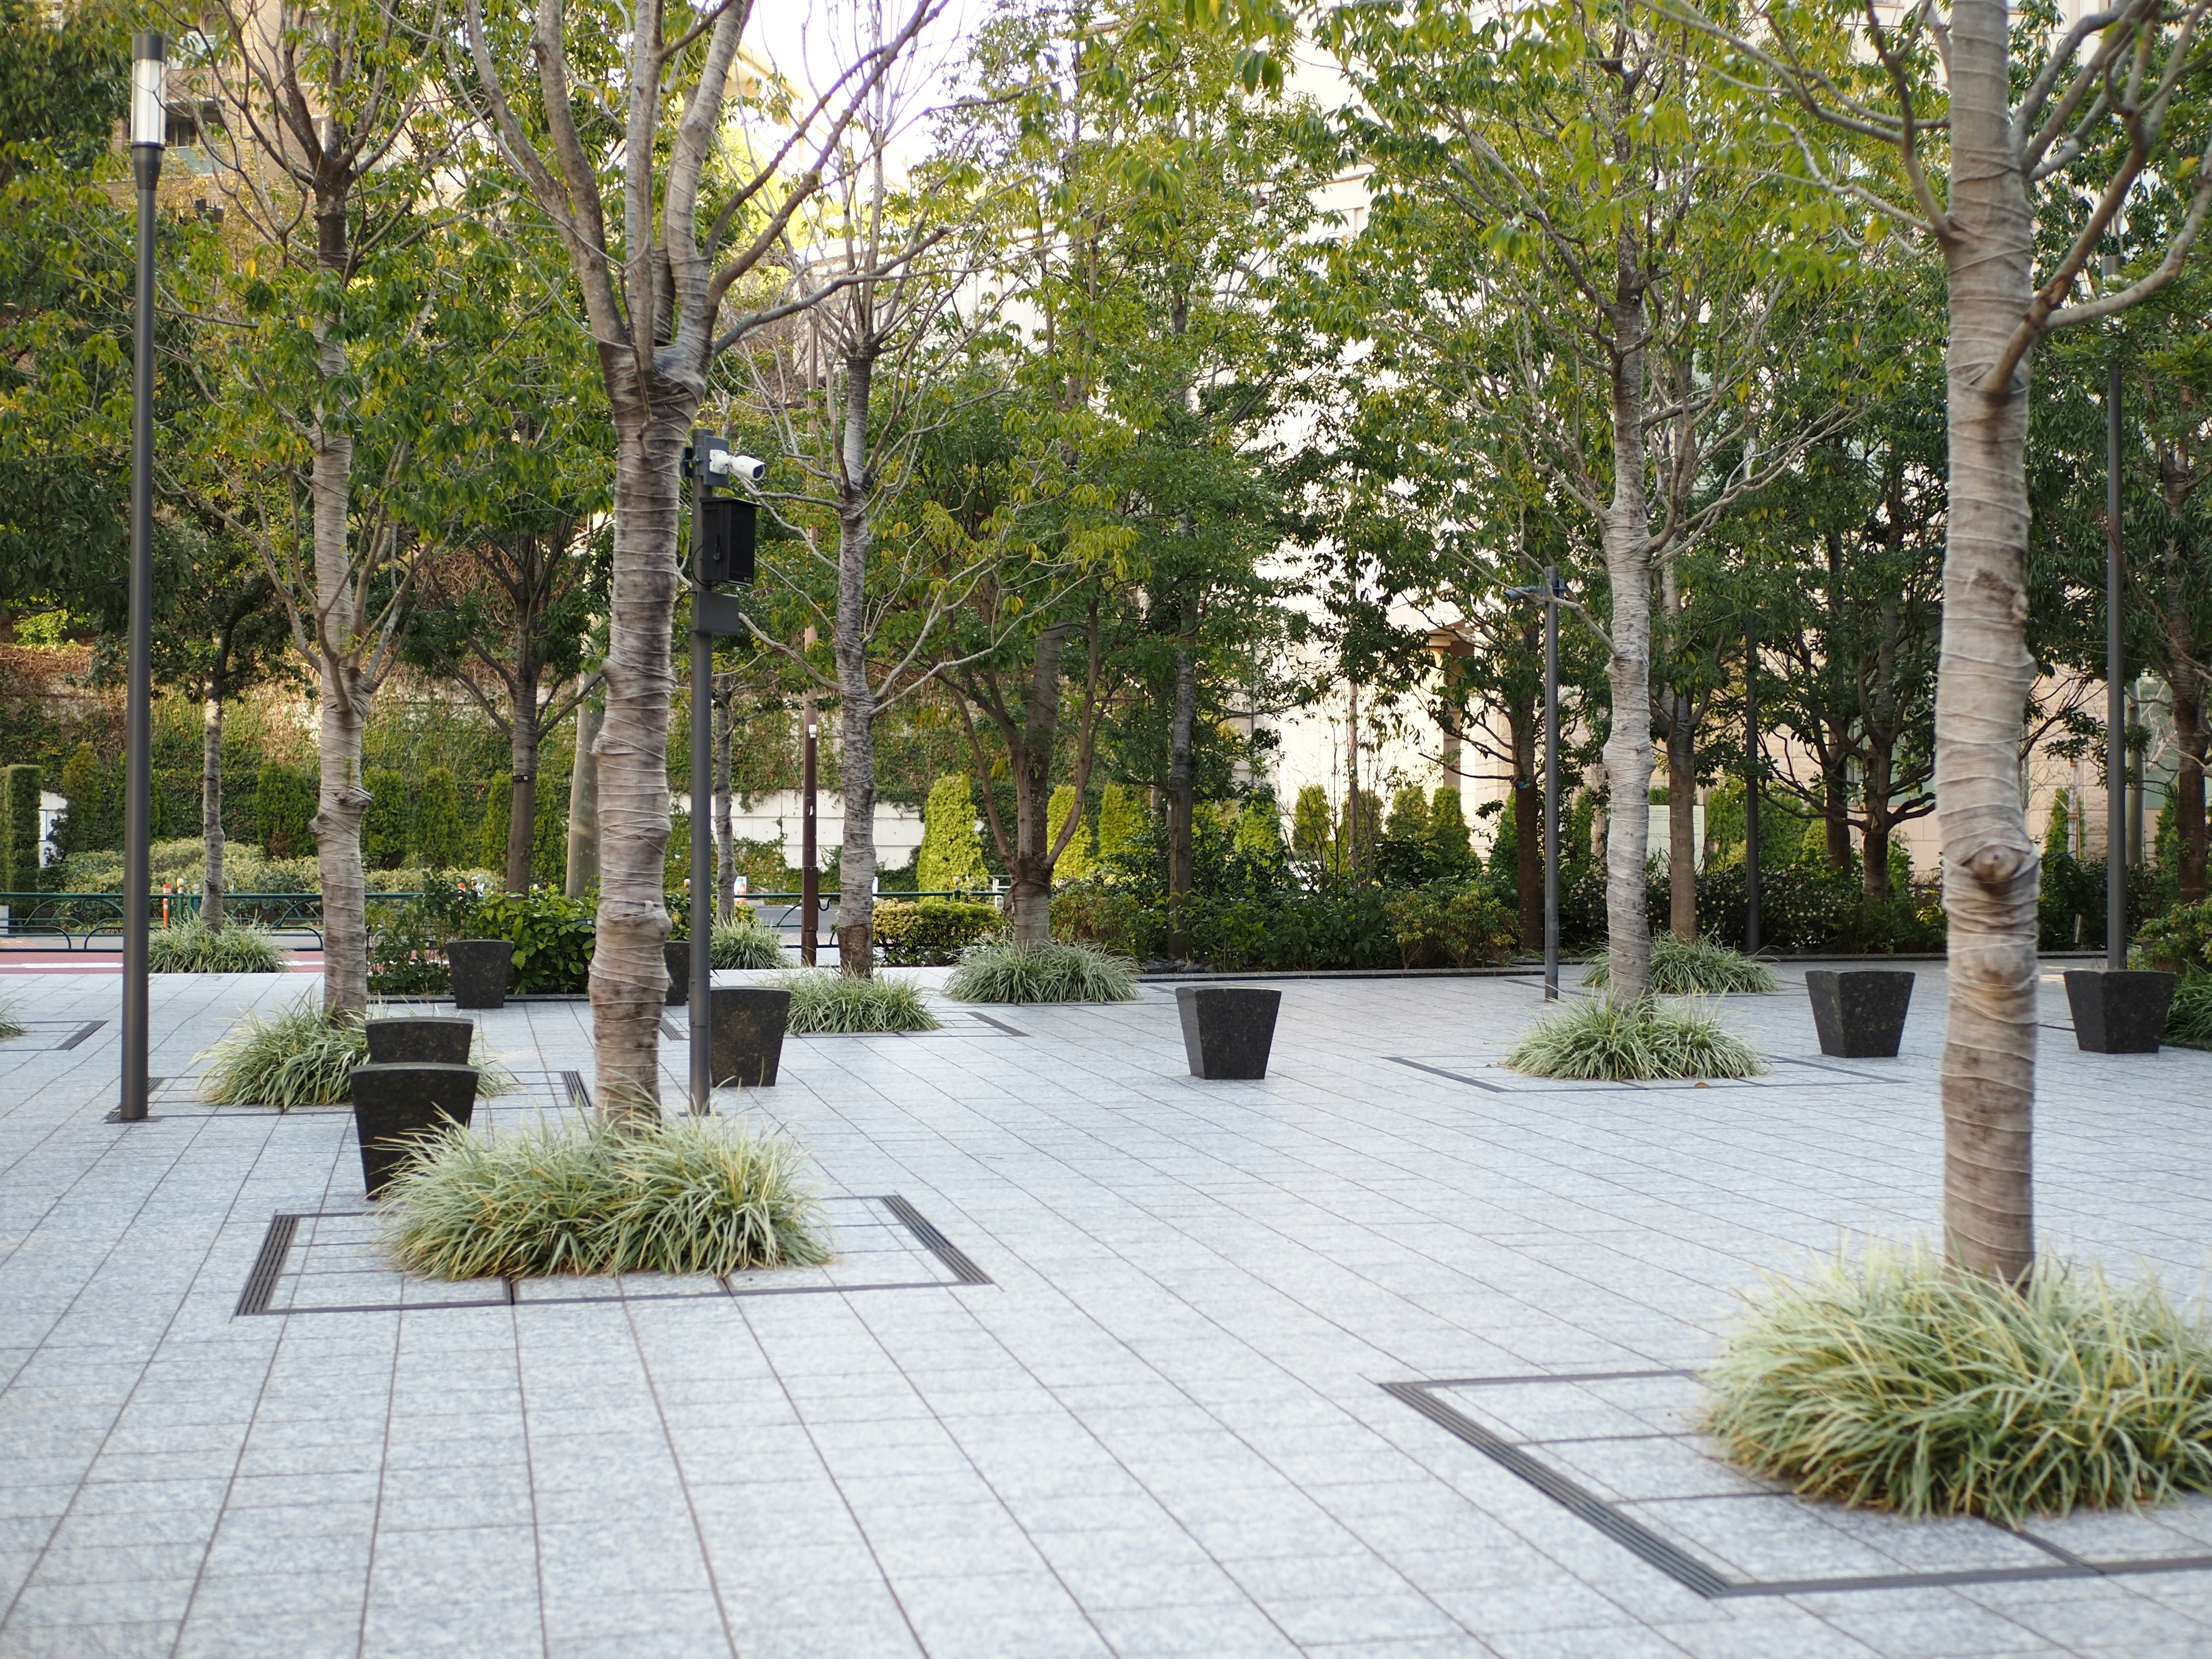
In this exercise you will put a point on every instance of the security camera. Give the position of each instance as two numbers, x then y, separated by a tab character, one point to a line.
725	463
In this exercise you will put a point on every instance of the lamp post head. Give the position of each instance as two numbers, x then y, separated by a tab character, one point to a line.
150	68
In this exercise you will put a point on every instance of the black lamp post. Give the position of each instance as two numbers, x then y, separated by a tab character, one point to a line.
149	133
2116	706
1548	594
1750	792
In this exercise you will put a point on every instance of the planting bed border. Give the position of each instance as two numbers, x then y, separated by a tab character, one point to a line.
1523	1458
277	1244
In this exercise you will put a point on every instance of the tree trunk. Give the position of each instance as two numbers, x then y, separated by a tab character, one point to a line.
1627	531
725	845
1527	826
629	977
1681	816
1181	790
211	837
584	802
522	792
1874	839
342	801
1991	867
856	698
1836	801
1029	895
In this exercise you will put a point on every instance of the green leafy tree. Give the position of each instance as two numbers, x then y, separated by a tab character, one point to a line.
1081	856
1448	829
1311	834
438	838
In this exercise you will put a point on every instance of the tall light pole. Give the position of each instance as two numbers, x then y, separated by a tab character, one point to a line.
2116	704
1751	789
149	133
1548	595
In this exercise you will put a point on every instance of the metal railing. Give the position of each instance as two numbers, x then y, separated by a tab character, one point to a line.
76	920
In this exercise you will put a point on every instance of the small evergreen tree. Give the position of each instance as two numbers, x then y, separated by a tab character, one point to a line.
2058	838
1121	821
1081	857
951	857
1311	835
19	830
384	826
438	820
1448	829
548	832
491	834
283	804
90	823
1409	814
1260	828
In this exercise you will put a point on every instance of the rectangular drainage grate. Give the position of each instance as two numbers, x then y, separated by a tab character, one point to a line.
1616	1450
329	1262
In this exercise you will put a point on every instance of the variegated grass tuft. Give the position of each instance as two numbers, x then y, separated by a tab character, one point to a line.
1000	970
1633	1041
825	1000
1692	967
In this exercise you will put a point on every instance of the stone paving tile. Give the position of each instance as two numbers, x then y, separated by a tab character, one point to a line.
1158	1431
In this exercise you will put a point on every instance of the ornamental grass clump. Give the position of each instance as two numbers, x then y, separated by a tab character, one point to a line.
1634	1042
744	944
1000	970
2189	1016
303	1057
193	947
11	1025
1902	1383
1692	967
826	1000
694	1195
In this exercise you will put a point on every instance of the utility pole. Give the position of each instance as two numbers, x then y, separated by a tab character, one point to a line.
2116	707
1751	789
810	878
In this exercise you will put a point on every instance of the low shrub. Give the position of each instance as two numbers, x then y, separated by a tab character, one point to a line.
824	999
303	1057
745	943
1000	970
1901	1383
2189	1016
554	937
1633	1041
193	947
2179	942
1451	923
1696	967
695	1195
933	931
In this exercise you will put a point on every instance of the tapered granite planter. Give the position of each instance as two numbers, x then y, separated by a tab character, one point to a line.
678	954
1859	1012
745	1037
2119	1012
1227	1029
395	1105
397	1040
480	969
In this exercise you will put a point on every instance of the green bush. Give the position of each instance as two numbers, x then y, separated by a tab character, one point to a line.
94	820
384	826
438	838
1696	967
932	932
823	999
499	812
554	937
746	942
951	858
1904	1384
301	1058
1000	970
1635	1042
193	947
19	830
284	802
697	1195
2189	1016
2179	942
1449	922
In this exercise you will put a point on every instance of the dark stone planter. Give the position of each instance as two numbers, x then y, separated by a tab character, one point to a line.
678	953
1859	1012
480	969
392	1104
2120	1012
745	1039
1227	1029
395	1042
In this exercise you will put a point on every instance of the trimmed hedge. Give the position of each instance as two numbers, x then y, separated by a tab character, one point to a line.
933	933
19	830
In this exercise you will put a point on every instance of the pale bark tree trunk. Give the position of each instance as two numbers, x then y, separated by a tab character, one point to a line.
584	804
211	836
856	697
630	976
725	846
1627	533
1991	867
1681	816
342	801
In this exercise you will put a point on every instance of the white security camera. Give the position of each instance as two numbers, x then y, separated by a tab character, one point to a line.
725	463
